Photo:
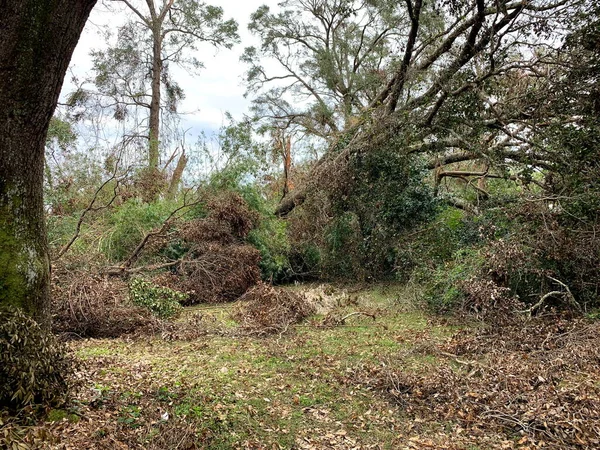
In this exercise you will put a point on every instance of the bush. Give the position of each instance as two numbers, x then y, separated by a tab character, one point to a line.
162	301
466	284
128	224
443	291
271	240
432	245
549	246
34	369
356	213
344	250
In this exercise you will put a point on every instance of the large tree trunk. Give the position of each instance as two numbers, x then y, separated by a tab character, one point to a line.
154	125
37	39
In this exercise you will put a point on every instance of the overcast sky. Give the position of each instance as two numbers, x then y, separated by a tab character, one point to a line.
217	89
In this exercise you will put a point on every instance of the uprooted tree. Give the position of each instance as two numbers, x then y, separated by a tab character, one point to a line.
37	39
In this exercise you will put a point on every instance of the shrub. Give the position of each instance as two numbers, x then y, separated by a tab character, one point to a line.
466	284
548	246
343	252
305	261
356	213
34	369
128	225
435	243
443	291
271	240
162	301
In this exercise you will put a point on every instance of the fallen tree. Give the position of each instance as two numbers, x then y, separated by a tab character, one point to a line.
475	105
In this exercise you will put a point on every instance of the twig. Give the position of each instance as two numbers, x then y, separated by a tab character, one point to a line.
118	270
357	313
539	304
570	295
567	293
466	363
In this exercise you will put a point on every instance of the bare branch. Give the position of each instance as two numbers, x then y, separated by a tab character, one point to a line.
91	208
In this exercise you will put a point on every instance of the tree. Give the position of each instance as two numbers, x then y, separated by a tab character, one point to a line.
443	97
320	63
134	73
37	39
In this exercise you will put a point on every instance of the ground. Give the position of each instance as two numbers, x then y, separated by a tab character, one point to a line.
326	384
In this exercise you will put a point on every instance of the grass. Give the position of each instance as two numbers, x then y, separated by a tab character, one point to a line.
224	392
276	391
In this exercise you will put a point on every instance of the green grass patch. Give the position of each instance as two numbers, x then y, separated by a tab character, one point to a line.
274	391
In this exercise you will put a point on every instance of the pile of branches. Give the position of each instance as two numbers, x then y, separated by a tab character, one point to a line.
217	273
87	305
538	380
265	310
218	265
215	264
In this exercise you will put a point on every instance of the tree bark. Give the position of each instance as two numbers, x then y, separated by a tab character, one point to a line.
177	175
157	68
37	39
287	166
287	204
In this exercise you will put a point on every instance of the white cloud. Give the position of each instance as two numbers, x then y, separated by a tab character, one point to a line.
215	90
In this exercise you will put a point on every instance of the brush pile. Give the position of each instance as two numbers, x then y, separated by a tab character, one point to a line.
265	310
86	305
218	265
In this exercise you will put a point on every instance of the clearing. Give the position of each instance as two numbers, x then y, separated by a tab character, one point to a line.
398	380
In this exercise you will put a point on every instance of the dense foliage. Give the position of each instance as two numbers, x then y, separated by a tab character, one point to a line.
451	147
163	302
34	368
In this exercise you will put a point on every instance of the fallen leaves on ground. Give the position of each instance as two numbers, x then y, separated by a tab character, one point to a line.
404	381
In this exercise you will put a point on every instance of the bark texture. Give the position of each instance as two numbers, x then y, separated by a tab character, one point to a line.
177	175
157	69
37	39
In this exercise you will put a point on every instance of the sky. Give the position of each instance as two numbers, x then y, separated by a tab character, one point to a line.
217	89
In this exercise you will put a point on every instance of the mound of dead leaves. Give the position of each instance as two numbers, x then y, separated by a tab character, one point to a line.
265	310
538	381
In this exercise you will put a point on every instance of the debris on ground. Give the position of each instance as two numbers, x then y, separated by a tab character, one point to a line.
86	305
265	310
537	380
